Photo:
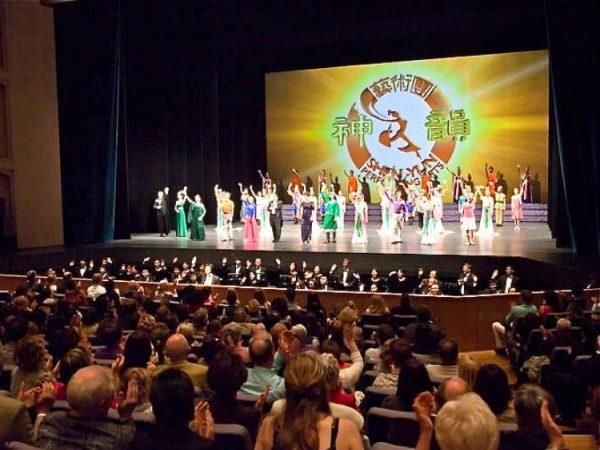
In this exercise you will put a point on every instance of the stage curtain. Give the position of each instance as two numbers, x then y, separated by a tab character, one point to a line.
574	46
88	79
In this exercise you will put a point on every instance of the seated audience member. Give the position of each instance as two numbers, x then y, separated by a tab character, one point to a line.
231	334
179	426
138	350
96	289
451	389
426	344
492	386
550	303
177	350
377	305
448	353
332	381
86	425
349	373
262	373
534	409
143	388
15	424
424	316
75	359
226	375
516	312
462	424
404	308
31	360
306	419
565	386
383	334
14	330
412	380
110	337
468	368
563	337
399	352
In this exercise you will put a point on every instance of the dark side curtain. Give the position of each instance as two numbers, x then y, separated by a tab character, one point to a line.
574	47
91	111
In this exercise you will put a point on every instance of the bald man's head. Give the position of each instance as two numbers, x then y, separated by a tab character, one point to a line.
177	348
261	350
90	391
450	389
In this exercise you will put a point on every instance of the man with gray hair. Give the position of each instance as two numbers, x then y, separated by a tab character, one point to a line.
89	394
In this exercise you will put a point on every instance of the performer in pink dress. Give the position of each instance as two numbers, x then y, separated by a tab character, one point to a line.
468	217
516	206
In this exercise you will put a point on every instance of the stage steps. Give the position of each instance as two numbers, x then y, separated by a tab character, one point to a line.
532	212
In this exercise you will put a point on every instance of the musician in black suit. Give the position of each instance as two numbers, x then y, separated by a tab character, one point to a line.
346	279
467	281
398	281
509	280
161	206
276	217
208	278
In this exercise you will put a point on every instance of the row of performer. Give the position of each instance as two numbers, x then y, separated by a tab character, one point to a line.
261	212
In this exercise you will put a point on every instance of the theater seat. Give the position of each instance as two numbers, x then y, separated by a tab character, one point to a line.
374	397
396	427
233	436
366	380
246	399
21	446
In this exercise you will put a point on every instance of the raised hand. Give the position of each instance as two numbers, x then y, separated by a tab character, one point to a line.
204	424
128	401
423	407
262	398
552	430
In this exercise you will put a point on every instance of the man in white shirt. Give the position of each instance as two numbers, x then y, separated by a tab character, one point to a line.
448	352
96	289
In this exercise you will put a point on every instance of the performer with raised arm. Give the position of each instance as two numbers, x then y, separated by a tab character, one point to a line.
195	218
462	200
316	227
516	207
265	181
438	208
308	209
428	234
219	197
361	218
322	181
162	213
386	210
341	199
486	222
262	212
352	183
227	211
458	185
296	195
500	206
180	222
330	216
296	181
250	226
243	195
399	211
492	180
468	223
525	188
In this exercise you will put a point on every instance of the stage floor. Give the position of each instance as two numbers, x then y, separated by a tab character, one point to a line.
534	240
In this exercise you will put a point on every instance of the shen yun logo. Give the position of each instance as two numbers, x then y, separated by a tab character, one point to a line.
403	123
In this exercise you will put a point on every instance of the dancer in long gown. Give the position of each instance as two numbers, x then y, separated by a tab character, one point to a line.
399	212
307	212
195	217
516	208
296	195
331	216
386	212
218	197
361	218
262	200
428	234
486	222
500	206
180	222
250	225
265	181
438	209
316	227
341	199
462	200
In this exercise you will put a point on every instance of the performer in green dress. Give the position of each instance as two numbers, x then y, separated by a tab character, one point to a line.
331	215
180	222
196	219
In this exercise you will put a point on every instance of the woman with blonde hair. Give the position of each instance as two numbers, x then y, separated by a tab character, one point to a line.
377	305
306	421
468	368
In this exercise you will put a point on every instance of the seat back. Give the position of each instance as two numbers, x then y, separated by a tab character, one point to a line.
233	436
21	446
401	320
246	399
381	422
371	319
386	446
374	397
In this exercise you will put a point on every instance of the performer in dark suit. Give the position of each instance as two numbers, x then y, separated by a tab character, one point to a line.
509	280
276	217
467	281
346	279
161	206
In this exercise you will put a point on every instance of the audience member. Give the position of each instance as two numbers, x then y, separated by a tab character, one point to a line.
491	384
448	353
262	374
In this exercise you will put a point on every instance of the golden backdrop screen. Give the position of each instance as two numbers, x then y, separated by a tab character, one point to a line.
431	115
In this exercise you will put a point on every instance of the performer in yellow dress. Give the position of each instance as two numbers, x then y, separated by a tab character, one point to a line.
500	206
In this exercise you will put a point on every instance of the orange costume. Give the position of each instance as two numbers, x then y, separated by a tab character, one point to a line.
296	180
226	207
492	182
425	183
352	184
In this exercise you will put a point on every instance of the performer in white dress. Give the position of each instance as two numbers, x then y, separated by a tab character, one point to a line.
438	209
342	203
386	211
262	213
428	234
486	222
